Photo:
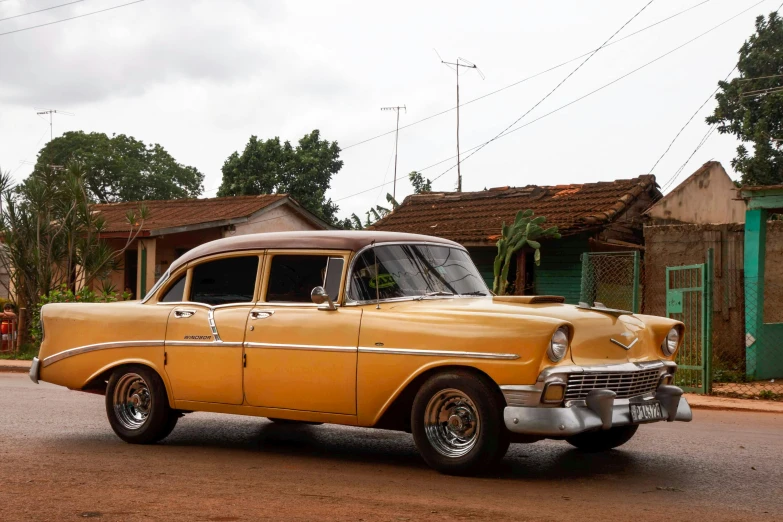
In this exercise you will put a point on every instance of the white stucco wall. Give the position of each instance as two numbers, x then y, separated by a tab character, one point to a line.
708	196
280	219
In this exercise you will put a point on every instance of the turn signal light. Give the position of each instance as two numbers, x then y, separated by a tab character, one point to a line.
554	393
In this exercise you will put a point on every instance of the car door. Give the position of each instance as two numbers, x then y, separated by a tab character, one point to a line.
207	328
300	357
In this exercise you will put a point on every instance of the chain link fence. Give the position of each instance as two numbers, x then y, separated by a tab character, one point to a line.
747	337
612	278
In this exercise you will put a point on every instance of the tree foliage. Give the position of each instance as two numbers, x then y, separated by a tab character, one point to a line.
374	214
273	167
118	168
421	185
751	106
51	239
523	232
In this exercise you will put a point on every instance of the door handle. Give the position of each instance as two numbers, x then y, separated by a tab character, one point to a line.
261	314
183	314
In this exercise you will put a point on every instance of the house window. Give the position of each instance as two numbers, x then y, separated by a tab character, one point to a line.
225	281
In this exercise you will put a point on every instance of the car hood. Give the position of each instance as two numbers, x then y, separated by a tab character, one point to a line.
637	337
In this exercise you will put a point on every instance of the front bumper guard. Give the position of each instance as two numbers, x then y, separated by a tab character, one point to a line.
601	411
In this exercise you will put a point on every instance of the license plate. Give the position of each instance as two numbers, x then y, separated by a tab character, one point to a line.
646	412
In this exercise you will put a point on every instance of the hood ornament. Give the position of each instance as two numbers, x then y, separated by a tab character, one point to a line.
626	346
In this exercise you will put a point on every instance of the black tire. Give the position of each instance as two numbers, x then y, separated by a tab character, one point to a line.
480	438
289	421
594	441
137	405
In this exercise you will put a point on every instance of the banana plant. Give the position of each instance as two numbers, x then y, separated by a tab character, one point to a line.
525	230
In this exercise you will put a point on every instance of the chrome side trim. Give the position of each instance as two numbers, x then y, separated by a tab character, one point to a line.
212	326
204	343
312	347
98	346
438	353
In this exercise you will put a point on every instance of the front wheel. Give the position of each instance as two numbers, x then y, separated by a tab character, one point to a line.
593	441
457	423
137	405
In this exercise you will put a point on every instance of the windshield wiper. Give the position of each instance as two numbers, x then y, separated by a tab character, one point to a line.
477	292
434	294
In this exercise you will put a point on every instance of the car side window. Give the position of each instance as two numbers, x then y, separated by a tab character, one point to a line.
175	293
224	281
293	277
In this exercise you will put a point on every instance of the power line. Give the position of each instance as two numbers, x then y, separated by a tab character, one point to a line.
70	18
682	167
39	11
550	69
585	95
690	119
531	109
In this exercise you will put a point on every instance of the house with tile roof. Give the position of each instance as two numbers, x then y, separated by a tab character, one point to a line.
592	217
173	227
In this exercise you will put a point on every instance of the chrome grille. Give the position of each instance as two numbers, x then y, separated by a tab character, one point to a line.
624	384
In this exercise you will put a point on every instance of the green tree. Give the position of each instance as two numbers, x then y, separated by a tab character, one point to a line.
118	168
421	185
51	238
751	106
523	232
273	167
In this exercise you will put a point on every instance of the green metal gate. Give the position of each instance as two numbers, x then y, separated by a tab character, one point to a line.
689	299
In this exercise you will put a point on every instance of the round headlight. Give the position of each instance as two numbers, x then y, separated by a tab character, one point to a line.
669	345
558	345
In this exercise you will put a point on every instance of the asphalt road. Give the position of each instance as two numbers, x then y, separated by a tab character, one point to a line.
59	460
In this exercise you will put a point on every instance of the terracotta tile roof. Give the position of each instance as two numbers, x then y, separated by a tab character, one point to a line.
183	212
476	217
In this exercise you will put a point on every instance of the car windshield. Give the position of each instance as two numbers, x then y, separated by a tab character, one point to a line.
414	270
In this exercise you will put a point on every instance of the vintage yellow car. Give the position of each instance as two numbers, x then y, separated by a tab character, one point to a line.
374	329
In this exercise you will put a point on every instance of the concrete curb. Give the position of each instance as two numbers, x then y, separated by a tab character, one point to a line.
708	402
16	366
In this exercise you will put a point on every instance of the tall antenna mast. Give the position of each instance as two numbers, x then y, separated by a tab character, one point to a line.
455	66
50	112
396	141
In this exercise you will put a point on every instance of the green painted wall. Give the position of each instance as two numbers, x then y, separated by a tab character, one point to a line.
484	258
560	272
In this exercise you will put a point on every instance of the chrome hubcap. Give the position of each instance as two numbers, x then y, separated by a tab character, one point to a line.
132	401
452	423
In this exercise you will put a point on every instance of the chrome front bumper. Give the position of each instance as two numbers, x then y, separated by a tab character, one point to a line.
600	411
35	368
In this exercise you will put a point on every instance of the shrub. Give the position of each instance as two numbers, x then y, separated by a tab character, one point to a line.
66	295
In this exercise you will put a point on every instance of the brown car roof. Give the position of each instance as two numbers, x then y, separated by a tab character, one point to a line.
353	240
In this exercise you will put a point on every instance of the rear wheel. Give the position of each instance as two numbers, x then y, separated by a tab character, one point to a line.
138	407
457	423
601	440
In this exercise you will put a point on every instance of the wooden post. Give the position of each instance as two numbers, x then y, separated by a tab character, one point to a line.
19	329
519	283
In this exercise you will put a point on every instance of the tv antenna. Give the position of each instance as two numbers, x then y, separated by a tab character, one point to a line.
396	141
467	64
51	112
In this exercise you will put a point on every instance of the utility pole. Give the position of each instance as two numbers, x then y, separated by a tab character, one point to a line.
396	141
50	112
456	65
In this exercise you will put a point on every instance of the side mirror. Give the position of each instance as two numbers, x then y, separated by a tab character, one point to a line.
319	297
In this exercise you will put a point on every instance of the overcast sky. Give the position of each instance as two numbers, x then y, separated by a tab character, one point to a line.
200	76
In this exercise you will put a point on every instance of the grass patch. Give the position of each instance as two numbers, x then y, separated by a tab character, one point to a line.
27	353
